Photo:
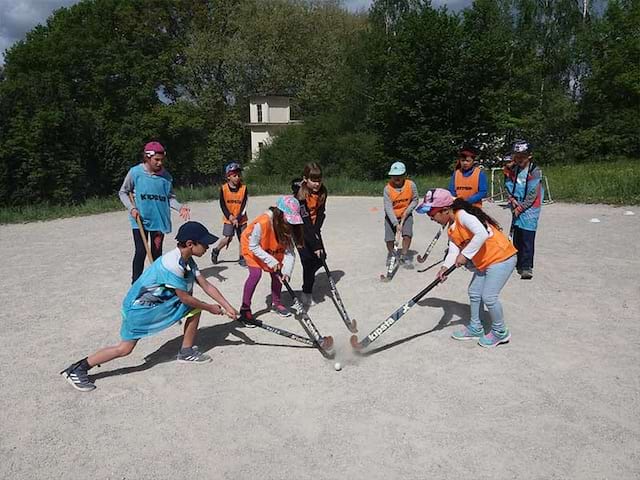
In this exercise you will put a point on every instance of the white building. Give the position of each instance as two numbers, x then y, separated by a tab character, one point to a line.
268	115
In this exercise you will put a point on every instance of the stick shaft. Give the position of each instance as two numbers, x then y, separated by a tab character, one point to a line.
285	333
430	247
399	313
142	232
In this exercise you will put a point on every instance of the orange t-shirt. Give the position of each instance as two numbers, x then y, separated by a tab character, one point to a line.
313	205
400	200
268	243
233	201
467	186
496	249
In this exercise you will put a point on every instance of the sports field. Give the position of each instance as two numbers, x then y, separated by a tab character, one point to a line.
561	400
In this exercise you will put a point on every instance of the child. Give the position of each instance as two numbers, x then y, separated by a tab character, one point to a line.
152	187
233	203
268	244
468	180
312	195
523	182
475	239
162	296
400	198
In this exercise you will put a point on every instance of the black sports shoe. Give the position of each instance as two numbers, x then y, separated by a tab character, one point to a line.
247	319
78	377
214	255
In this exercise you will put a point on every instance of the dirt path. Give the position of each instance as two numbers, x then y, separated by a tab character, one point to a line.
562	400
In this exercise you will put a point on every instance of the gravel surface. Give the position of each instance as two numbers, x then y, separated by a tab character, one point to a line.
561	400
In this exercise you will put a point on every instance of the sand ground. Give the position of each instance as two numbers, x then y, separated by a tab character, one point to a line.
562	400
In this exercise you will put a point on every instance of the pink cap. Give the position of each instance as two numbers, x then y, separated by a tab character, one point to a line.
152	148
290	207
435	198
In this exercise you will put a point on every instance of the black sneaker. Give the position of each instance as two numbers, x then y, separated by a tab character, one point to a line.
214	255
527	274
78	378
247	319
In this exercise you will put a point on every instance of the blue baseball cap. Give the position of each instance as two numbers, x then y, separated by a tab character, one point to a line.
398	168
196	232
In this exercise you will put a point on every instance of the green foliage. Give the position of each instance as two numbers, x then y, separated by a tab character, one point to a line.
323	139
82	94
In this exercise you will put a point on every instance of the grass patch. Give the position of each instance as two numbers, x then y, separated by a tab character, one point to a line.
616	183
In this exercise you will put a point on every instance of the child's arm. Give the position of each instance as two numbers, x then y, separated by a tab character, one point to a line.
482	188
191	301
452	184
223	206
183	210
414	201
216	295
388	209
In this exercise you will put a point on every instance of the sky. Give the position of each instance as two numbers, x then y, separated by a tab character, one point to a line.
17	17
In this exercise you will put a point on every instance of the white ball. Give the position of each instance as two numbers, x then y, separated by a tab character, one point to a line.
337	366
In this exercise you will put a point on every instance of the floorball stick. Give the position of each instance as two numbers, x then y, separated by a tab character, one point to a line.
422	258
395	316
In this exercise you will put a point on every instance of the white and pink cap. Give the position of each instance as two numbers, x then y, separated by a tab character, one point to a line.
435	198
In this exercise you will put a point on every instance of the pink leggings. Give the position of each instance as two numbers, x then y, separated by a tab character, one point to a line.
252	282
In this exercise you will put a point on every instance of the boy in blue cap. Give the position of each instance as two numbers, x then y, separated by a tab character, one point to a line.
400	199
161	297
233	203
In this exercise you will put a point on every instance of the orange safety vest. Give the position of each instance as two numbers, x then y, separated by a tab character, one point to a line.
496	249
400	200
233	201
268	242
313	205
467	186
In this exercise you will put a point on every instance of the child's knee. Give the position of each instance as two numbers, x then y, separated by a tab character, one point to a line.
125	349
490	300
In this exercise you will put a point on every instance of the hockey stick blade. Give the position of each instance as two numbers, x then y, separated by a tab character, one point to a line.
423	258
355	344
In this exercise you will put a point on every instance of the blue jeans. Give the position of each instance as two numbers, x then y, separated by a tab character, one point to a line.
485	288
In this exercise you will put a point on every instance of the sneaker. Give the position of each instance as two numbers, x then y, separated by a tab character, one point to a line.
281	310
526	274
242	262
307	300
214	255
247	319
78	378
493	339
466	333
192	355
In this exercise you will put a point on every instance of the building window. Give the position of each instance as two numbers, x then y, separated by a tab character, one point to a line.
260	145
259	113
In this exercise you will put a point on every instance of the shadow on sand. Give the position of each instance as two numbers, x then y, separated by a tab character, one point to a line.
450	309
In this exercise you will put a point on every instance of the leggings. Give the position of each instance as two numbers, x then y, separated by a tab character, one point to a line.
252	282
310	265
140	252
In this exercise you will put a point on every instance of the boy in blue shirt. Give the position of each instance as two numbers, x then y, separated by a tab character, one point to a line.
152	187
523	182
162	296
